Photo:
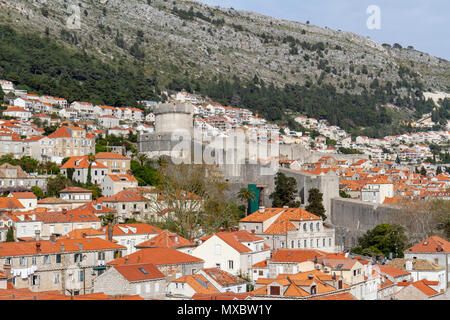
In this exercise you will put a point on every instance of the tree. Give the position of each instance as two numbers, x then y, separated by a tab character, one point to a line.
10	235
285	190
109	220
383	240
245	195
192	200
344	194
2	95
315	200
37	192
438	170
423	172
56	184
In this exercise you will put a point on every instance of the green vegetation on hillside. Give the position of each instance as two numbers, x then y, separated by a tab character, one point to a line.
43	66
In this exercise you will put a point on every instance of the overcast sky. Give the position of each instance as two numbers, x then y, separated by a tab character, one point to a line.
423	24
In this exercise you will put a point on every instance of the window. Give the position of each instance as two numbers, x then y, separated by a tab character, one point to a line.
313	290
147	288
157	287
101	256
9	261
311	243
279	269
34	280
218	265
23	261
317	243
329	242
78	257
47	259
58	258
260	272
33	261
80	275
218	249
323	242
123	207
299	243
318	226
143	271
306	243
282	244
292	244
275	291
230	264
311	227
56	280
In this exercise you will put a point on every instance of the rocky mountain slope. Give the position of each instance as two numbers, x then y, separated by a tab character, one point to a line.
184	36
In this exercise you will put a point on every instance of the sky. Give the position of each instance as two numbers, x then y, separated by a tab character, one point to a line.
423	24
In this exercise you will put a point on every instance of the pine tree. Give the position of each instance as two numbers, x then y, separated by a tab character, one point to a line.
10	235
285	190
315	201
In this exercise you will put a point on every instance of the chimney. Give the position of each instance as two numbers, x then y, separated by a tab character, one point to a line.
126	260
253	231
53	238
262	209
38	233
38	247
310	276
64	211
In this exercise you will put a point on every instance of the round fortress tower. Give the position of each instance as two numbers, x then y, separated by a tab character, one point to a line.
171	117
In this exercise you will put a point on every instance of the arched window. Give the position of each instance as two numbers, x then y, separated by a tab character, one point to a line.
311	227
304	227
318	226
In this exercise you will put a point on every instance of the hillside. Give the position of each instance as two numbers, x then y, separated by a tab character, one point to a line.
184	44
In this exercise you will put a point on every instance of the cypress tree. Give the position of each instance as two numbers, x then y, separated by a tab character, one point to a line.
315	201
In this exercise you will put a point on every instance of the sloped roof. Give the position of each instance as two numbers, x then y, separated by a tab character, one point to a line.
139	272
432	244
296	255
157	256
166	239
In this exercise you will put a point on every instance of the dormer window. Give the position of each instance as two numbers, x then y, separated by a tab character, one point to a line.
313	289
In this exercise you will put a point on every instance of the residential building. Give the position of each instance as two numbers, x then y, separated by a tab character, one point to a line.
114	183
144	280
235	252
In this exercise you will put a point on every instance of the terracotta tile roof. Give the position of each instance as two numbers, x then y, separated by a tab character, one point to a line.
223	296
75	215
296	255
423	285
75	190
393	272
157	256
82	162
23	195
166	239
52	200
122	177
431	244
110	155
262	264
198	283
223	278
89	244
139	272
235	239
124	196
293	214
83	233
338	296
10	203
